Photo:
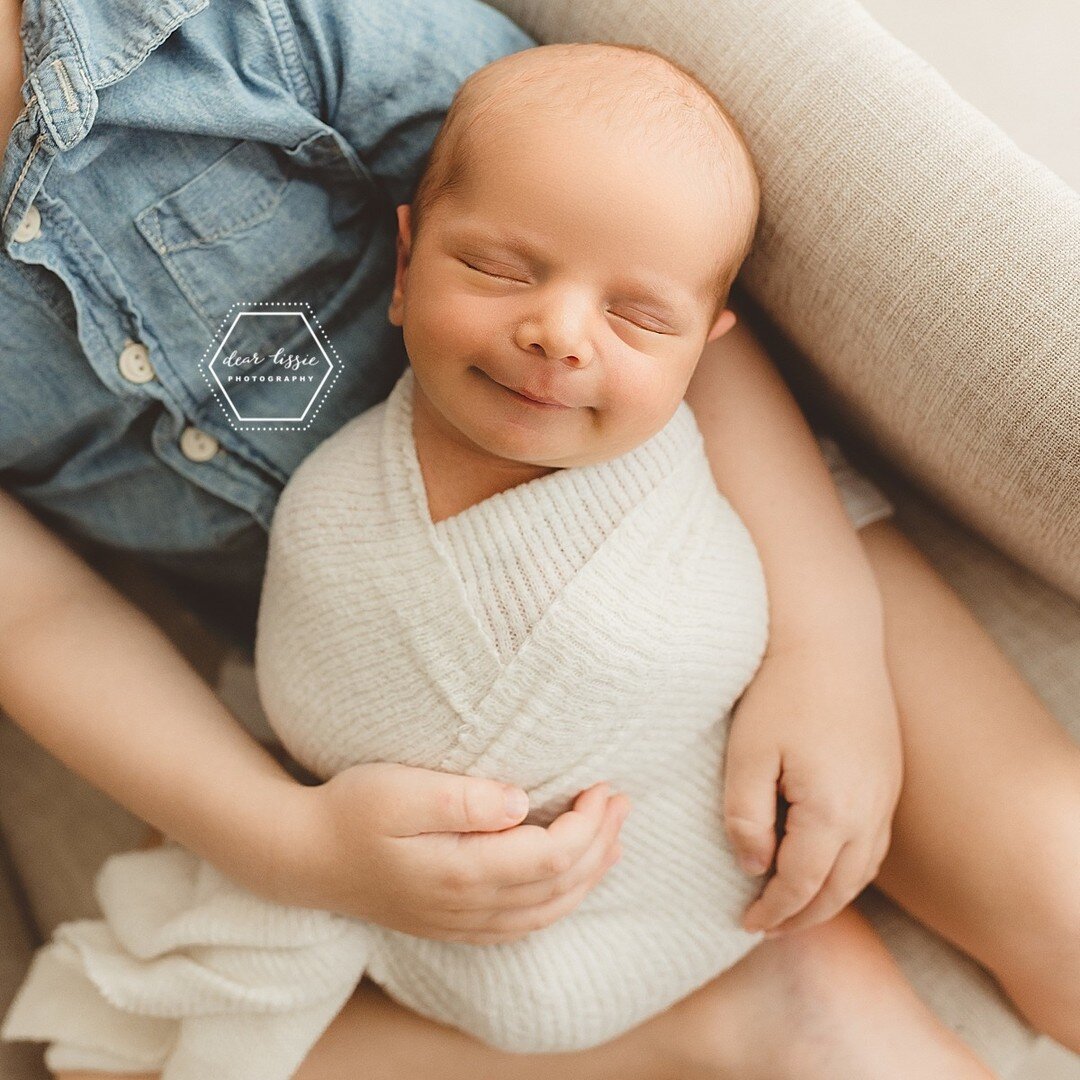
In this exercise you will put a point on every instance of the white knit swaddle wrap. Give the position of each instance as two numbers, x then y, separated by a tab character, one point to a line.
595	624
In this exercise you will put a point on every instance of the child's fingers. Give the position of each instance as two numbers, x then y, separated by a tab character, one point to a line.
879	851
412	801
529	853
844	882
750	786
803	861
543	878
512	925
484	917
586	869
856	867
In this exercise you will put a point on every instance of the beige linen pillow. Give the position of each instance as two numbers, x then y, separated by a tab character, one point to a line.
925	266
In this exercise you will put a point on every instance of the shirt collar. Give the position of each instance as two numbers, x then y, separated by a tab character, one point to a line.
73	48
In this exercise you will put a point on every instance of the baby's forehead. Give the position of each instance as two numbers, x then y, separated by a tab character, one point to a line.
603	85
625	95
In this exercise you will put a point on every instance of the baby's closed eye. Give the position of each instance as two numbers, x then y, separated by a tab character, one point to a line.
489	273
636	319
642	323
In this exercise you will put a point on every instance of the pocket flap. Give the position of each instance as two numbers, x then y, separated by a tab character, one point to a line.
239	190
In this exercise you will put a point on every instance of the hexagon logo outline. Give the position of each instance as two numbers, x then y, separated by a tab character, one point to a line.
314	332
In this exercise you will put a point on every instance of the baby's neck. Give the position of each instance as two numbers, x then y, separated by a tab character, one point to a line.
456	473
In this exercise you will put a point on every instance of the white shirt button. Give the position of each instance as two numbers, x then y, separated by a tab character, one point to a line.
30	226
135	363
196	445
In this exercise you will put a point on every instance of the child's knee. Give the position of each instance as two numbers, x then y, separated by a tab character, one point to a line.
843	952
791	1006
829	976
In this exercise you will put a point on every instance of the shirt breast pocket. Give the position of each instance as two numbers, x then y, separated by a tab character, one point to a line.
263	223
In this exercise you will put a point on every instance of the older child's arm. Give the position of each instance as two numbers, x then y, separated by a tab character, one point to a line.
96	683
818	723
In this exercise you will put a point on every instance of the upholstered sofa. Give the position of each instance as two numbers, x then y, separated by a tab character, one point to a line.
918	279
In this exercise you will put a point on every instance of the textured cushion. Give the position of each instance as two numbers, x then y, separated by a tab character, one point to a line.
927	267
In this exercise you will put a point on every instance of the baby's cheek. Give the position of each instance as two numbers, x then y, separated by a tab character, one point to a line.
449	330
641	398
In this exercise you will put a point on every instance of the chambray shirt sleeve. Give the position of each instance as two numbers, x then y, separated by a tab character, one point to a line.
383	72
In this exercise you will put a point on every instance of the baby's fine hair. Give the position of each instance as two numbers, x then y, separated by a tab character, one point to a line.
660	98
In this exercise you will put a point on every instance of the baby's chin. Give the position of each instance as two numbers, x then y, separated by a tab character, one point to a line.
577	438
540	445
530	454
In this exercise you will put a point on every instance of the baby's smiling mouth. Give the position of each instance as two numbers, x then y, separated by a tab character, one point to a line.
535	401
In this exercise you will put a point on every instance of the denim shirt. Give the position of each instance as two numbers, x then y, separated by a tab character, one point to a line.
175	159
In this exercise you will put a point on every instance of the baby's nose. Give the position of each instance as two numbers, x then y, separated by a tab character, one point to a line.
569	358
559	333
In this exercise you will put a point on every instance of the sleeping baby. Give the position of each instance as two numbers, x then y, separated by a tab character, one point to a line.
518	567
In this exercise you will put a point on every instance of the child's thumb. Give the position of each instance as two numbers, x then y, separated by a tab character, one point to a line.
471	804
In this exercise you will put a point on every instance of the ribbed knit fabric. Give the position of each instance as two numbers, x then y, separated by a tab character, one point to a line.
594	624
516	552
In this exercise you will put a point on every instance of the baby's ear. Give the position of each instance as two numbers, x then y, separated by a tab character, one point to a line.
725	321
404	248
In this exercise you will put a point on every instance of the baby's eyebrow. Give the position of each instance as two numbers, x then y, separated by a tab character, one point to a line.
657	295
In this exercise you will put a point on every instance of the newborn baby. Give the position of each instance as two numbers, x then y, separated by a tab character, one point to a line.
517	567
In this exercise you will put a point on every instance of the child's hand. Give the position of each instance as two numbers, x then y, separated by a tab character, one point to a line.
437	855
821	728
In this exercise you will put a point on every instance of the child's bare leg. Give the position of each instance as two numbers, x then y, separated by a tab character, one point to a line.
828	1003
986	839
376	1038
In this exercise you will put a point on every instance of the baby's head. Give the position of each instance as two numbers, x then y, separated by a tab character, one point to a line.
582	215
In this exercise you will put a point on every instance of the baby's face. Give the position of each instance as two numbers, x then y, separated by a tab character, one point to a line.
573	267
